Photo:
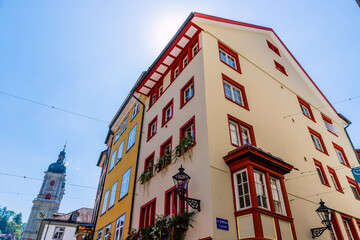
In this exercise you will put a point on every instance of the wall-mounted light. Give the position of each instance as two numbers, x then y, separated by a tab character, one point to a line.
325	215
181	181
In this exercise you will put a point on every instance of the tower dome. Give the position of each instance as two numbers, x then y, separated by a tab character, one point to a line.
58	166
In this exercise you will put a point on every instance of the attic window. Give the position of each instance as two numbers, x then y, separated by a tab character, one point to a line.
280	67
74	217
272	47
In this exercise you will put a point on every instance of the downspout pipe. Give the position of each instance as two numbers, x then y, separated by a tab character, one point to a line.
348	122
137	158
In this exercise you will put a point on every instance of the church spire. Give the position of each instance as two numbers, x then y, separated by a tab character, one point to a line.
58	166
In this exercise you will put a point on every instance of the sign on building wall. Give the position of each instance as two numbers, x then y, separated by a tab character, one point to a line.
222	224
356	172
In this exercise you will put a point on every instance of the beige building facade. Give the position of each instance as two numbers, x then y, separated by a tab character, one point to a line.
267	143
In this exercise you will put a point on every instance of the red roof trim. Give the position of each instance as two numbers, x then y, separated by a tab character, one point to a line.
266	29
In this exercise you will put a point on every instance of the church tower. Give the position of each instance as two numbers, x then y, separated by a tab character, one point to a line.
48	200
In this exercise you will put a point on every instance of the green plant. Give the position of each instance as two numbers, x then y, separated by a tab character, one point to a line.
162	162
185	145
164	228
146	175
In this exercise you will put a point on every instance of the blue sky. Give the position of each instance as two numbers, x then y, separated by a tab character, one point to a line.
84	56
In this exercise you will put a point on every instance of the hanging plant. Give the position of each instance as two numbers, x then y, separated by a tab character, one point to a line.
185	144
146	175
163	162
164	228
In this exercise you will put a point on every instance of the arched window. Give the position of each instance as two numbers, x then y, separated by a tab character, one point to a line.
52	183
48	196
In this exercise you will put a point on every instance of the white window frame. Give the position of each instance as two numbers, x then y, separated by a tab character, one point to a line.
112	160
333	179
119	227
107	233
245	135
153	128
176	72
99	235
189	131
189	89
131	138
261	190
340	156
195	49
135	109
317	143
243	184
120	151
276	192
185	61
347	229
104	203
305	110
234	133
160	90
355	191
320	174
124	123
125	183
58	233
117	135
231	94
227	58
112	195
169	113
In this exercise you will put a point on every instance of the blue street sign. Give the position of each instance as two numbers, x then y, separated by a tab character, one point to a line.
222	224
356	172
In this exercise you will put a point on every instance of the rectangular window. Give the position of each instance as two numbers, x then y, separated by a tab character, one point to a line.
188	129
107	232
280	67
229	57
329	125
354	188
112	194
147	214
173	204
341	155
272	47
176	72
185	61
58	233
135	109
165	148
261	192
335	179
349	228
195	49
321	173
242	191
246	130
104	203
120	152
234	92
167	112
306	109
131	138
152	99
119	228
160	90
112	160
125	184
152	128
117	136
277	195
99	235
317	140
124	123
187	92
149	162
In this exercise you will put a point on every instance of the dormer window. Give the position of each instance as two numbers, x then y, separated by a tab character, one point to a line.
185	61
74	217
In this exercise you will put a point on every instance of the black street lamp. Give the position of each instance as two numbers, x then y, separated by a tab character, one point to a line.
325	215
181	181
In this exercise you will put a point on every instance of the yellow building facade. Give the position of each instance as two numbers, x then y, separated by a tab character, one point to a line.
114	208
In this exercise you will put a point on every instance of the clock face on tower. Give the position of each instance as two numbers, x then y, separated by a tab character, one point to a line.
41	215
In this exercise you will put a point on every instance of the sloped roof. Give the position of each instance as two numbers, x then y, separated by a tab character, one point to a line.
84	216
146	77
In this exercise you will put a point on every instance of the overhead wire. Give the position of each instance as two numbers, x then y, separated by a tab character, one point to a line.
53	107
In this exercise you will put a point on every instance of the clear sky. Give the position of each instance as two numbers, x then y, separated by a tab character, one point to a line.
84	56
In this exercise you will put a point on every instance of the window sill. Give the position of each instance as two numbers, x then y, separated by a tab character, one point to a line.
245	105
123	197
326	184
236	70
183	104
324	152
111	207
333	133
347	165
117	161
129	148
312	119
150	137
